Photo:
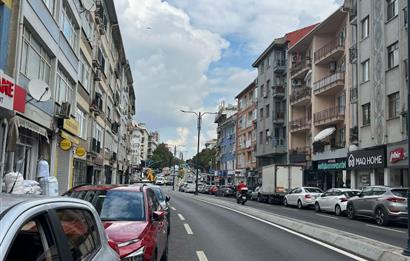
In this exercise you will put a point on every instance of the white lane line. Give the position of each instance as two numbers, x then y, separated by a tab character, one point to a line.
385	228
326	216
201	256
181	217
340	251
292	209
173	208
188	229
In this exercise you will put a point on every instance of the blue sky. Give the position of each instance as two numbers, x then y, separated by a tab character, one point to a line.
197	53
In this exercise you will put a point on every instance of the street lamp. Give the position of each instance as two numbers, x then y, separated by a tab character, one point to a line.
173	161
199	121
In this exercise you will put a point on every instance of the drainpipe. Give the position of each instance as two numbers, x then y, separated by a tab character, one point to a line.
3	152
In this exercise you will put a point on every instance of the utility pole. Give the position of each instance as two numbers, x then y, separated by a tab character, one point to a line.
173	175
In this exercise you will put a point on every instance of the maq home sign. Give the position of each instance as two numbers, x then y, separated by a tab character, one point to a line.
365	159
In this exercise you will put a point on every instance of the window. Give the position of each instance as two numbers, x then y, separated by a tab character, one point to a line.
80	116
392	9
394	105
405	17
68	28
87	25
365	27
267	135
342	134
85	72
366	114
365	71
261	137
81	230
261	113
262	67
267	111
98	133
50	5
64	89
35	62
262	91
109	112
406	70
393	55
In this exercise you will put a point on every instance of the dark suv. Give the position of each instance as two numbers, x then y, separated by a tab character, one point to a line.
132	217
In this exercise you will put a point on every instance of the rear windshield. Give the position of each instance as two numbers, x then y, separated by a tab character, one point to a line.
400	192
313	190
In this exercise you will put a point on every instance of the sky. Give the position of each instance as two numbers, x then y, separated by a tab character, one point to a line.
193	54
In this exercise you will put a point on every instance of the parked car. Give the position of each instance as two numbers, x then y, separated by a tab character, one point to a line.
384	204
132	217
254	193
335	200
302	197
43	228
182	187
160	181
213	189
189	188
225	191
163	200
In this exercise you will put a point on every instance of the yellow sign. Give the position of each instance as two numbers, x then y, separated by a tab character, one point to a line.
71	126
80	151
8	3
65	144
69	137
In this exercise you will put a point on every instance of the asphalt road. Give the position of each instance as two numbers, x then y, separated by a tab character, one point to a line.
221	234
394	234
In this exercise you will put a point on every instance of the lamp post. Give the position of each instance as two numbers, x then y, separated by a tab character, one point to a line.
199	122
173	163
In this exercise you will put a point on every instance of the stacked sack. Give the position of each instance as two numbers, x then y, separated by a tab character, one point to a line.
32	187
49	186
15	179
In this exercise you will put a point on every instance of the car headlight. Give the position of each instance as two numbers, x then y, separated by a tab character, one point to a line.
135	256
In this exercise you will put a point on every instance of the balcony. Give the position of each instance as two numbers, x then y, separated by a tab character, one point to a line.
300	68
330	85
353	54
300	125
332	51
279	66
278	91
322	147
329	116
300	96
353	95
279	116
299	155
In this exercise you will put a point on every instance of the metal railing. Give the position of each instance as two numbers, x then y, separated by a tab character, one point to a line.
279	63
278	90
300	65
328	80
278	141
300	93
300	123
331	113
328	48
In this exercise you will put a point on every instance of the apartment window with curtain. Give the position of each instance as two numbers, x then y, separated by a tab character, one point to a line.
64	91
50	5
365	71
393	55
365	27
35	62
366	114
80	116
392	9
394	105
67	26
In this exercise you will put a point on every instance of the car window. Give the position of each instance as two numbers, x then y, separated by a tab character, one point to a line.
81	231
159	194
378	191
34	242
297	191
313	190
350	194
400	192
116	205
366	192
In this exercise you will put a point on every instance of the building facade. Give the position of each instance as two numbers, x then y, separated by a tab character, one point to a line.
142	144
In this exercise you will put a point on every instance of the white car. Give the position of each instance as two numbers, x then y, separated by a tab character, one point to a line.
160	181
335	200
302	197
189	188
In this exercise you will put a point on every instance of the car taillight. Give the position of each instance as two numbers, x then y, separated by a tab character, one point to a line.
114	246
396	200
307	196
343	199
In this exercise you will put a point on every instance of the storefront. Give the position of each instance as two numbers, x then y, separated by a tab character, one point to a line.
367	167
330	173
397	164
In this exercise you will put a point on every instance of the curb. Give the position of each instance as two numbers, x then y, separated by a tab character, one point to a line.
358	245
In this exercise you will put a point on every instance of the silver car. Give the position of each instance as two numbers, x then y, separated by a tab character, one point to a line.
384	204
51	228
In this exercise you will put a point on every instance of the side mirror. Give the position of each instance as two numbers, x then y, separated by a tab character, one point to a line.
158	215
167	198
114	246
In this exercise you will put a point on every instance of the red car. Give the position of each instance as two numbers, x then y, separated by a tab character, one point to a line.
132	218
212	190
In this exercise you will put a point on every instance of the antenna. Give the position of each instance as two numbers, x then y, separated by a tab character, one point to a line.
39	90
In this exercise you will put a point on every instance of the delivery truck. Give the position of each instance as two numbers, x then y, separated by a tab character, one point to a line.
277	180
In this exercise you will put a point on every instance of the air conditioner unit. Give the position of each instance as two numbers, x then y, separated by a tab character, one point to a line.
296	82
332	67
65	110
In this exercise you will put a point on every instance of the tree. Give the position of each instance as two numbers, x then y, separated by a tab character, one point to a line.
206	159
161	157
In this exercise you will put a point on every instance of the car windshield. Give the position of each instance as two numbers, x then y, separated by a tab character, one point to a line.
400	192
159	194
313	190
121	206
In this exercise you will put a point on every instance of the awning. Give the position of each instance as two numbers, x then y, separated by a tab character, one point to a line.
23	123
324	134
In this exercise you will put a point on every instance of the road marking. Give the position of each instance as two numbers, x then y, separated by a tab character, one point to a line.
188	229
201	256
287	208
385	228
340	251
181	217
173	208
326	216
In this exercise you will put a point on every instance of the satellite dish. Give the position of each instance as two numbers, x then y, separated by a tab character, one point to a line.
39	90
89	5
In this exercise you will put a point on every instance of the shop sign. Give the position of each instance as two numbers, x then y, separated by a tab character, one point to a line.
397	155
65	144
331	164
12	96
365	159
80	151
71	126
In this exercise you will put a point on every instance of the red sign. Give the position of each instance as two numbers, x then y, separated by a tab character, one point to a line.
12	96
397	155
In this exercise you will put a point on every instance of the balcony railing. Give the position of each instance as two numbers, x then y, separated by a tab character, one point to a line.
278	141
279	115
278	90
300	93
279	65
329	114
328	49
299	66
326	82
300	124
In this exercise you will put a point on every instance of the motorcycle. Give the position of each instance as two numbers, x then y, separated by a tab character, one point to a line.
241	196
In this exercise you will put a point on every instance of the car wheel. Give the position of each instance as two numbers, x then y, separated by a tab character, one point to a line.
381	217
338	210
285	203
350	211
300	205
165	254
317	207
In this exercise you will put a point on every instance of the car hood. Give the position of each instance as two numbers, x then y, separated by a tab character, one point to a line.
123	231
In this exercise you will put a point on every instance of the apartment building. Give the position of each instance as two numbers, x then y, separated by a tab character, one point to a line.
60	44
153	140
379	62
246	121
140	138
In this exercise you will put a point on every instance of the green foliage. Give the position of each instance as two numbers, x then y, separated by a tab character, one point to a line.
206	159
162	157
